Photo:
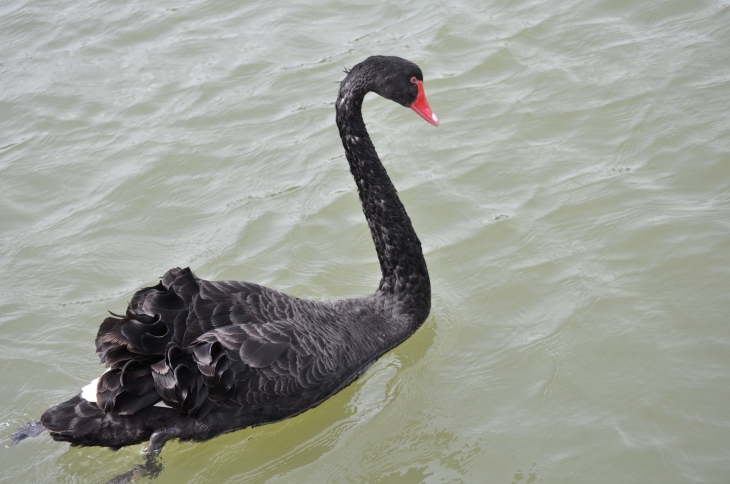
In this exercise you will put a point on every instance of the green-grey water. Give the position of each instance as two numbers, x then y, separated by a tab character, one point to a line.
573	207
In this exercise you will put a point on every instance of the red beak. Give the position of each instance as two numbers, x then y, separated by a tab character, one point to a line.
421	106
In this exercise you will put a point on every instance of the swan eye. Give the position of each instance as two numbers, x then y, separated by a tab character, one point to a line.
414	80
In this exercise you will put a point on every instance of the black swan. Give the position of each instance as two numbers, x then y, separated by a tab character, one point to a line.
192	359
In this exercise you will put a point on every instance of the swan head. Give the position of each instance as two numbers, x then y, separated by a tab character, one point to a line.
399	80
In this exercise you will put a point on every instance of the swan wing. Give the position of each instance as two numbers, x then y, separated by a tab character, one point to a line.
196	344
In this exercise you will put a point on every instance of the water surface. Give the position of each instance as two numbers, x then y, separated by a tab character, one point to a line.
573	207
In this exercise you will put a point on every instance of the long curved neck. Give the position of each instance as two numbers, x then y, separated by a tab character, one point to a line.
405	276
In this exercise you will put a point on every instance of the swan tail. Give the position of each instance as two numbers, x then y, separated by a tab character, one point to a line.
81	422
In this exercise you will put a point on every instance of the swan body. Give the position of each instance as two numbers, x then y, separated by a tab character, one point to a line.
193	359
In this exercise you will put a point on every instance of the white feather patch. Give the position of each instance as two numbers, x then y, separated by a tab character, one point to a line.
88	393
